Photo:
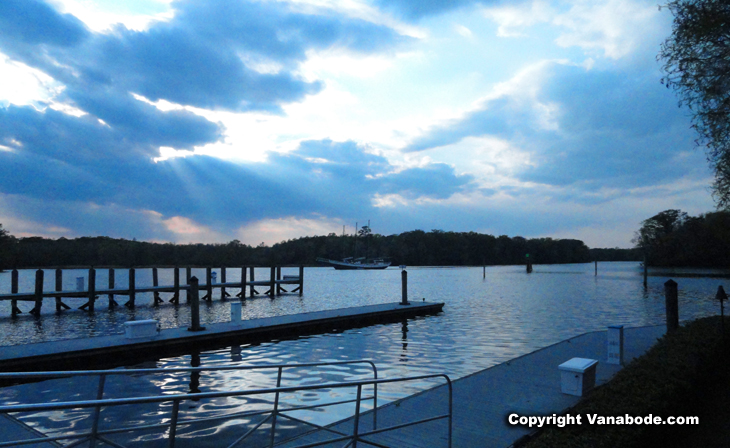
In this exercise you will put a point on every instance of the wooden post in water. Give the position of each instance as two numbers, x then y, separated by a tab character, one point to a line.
242	293
529	263
14	310
112	303
223	282
92	288
36	311
404	287
132	289
272	282
209	284
194	306
176	295
59	287
278	277
155	294
721	296
252	290
645	271
301	280
188	274
671	303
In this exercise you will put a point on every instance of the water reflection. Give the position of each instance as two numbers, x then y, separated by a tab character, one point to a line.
195	375
404	338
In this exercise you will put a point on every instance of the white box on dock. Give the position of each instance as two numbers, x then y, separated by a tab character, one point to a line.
577	376
140	328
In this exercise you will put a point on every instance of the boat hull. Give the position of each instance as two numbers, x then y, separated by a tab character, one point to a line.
345	266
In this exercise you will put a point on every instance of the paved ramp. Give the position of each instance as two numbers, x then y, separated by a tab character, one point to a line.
527	385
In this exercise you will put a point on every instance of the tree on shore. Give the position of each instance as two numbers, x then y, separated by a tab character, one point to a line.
696	60
7	246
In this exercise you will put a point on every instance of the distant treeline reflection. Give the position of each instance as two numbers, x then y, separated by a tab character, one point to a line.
415	248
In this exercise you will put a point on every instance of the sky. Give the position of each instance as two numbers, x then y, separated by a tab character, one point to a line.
267	120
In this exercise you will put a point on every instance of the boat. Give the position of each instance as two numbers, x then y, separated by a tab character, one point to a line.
355	263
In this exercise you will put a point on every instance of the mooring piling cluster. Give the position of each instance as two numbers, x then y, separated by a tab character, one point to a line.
92	292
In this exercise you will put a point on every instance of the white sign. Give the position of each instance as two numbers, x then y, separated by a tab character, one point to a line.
615	340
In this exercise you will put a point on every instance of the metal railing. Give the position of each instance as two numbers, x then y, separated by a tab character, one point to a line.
96	434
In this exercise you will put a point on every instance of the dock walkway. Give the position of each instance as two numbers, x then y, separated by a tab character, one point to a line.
528	385
70	353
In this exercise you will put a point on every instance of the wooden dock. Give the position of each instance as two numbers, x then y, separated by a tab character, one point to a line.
528	385
117	350
92	292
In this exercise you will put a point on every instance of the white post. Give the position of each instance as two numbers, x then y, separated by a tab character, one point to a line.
236	312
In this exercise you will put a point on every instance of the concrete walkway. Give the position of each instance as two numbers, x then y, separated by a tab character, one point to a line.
528	385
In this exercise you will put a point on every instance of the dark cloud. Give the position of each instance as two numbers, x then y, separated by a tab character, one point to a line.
34	22
64	159
612	129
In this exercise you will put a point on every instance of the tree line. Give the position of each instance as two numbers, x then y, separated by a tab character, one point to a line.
674	238
414	248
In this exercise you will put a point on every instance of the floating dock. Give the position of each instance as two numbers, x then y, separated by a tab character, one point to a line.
528	385
116	350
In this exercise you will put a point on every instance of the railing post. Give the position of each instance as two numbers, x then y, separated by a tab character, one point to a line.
278	277
173	422
97	411
194	306
276	408
356	426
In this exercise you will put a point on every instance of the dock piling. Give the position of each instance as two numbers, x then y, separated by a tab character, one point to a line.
92	288
242	293
404	287
223	282
112	303
272	282
14	290
301	280
155	282
36	311
278	277
59	287
176	295
252	288
209	285
194	306
188	273
132	289
672	305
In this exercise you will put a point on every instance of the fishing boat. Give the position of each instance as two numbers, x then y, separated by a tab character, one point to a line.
355	263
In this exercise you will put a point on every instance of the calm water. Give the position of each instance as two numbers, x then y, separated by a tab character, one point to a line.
485	322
